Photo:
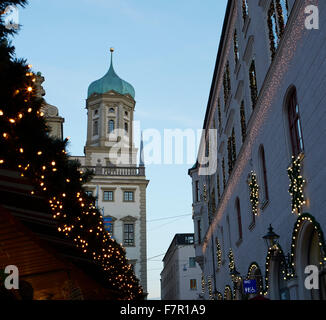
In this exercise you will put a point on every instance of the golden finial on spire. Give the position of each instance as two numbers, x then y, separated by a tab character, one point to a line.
111	50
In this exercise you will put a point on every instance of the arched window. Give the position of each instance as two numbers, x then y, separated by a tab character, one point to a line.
253	83
295	127
95	128
263	175
238	210
277	18
111	126
111	110
126	128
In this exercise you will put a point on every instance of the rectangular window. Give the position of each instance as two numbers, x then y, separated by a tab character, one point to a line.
128	196
95	128
192	262
128	234
89	193
193	284
108	196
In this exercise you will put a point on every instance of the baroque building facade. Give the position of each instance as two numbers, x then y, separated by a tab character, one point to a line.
118	184
266	108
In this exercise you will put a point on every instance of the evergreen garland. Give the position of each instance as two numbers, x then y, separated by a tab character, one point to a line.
254	193
26	147
296	185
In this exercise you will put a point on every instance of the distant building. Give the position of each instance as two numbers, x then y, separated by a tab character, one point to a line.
181	275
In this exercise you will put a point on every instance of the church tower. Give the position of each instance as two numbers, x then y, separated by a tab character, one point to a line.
110	105
118	184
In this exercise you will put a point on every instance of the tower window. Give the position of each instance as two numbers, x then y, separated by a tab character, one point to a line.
111	126
111	110
95	128
126	128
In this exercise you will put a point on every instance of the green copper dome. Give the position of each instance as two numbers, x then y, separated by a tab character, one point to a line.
111	81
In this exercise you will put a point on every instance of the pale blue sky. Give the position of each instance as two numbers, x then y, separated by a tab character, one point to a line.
165	48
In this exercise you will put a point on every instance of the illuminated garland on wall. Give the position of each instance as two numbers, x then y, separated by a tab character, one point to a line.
231	261
202	284
296	185
254	193
218	253
227	291
251	270
322	246
210	287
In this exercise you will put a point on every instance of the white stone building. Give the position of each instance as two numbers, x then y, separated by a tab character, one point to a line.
267	103
118	183
181	275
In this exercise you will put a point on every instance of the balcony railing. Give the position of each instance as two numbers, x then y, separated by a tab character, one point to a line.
116	171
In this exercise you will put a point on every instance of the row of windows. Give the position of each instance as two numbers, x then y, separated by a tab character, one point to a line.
297	147
277	17
111	127
128	196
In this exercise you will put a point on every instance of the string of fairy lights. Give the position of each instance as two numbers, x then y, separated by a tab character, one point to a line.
254	192
48	165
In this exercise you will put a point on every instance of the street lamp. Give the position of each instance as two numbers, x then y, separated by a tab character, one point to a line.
270	237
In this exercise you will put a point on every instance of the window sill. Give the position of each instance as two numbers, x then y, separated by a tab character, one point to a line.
264	204
252	225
